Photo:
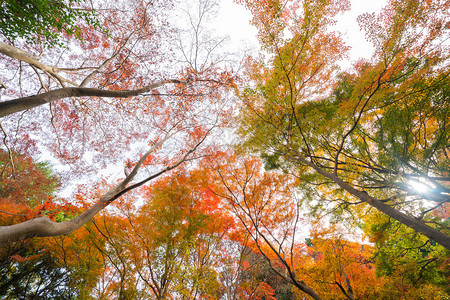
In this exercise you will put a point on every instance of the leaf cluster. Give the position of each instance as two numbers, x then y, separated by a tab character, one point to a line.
44	20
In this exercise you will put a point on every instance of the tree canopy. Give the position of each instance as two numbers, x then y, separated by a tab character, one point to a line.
139	160
367	136
44	20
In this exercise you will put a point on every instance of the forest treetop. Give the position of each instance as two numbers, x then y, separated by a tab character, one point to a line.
318	196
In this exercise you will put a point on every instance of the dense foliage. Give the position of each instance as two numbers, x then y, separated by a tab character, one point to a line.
44	20
336	185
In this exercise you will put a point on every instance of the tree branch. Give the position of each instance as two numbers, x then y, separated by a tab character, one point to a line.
20	104
21	55
403	218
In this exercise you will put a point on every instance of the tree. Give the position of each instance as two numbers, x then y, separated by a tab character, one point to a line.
34	277
173	117
53	269
267	209
24	181
240	273
331	264
170	246
359	139
65	267
43	20
231	224
27	190
409	263
338	268
259	281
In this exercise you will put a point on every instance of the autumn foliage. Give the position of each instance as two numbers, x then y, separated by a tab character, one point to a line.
137	163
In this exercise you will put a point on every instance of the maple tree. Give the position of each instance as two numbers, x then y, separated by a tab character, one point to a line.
362	138
27	190
414	265
231	225
67	266
329	265
169	121
57	268
260	281
267	210
242	273
185	241
170	246
25	182
61	268
338	268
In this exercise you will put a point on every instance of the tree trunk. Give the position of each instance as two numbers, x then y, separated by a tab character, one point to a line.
403	218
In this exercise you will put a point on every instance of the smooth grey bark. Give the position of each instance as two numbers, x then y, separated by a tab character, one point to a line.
20	104
403	218
24	103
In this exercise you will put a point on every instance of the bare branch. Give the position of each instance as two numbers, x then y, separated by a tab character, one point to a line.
23	56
